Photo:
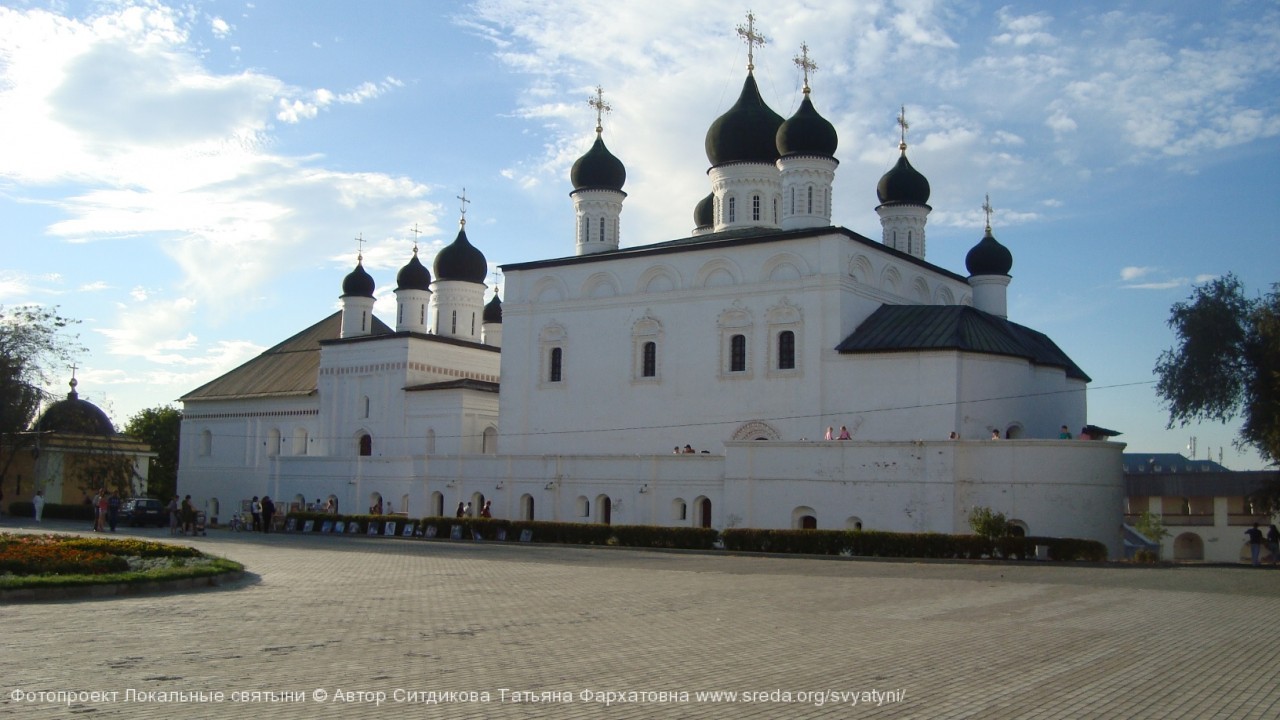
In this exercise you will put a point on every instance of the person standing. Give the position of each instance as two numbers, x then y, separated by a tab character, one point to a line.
268	511
468	511
113	510
487	510
831	433
1255	543
255	508
173	516
1273	543
38	501
188	516
100	518
462	510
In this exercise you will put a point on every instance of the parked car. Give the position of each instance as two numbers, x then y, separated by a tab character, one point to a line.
144	511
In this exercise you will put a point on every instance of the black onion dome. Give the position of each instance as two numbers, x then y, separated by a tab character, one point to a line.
903	185
704	211
358	282
747	132
75	416
988	257
414	275
598	169
460	260
493	310
807	133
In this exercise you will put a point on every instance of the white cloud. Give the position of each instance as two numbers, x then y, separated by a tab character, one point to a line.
1134	272
219	27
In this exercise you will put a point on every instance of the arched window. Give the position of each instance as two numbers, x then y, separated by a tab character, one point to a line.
453	326
738	353
793	201
601	229
367	406
437	504
909	242
526	507
299	441
431	440
366	445
810	199
650	360
679	511
557	357
732	209
786	350
206	443
585	232
273	442
489	441
755	208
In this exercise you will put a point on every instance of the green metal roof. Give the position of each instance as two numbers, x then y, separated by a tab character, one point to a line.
290	368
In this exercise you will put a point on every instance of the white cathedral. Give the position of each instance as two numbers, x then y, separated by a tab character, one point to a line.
573	400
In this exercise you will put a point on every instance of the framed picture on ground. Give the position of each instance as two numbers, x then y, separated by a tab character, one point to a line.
373	529
340	527
353	528
308	526
502	534
326	526
389	529
291	525
455	532
408	530
430	532
526	535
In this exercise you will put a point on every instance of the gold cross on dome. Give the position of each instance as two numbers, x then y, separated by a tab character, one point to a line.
902	123
804	63
416	232
463	206
986	208
748	33
359	247
600	106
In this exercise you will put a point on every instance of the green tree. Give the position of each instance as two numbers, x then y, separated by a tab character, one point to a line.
1151	526
988	523
1226	363
33	340
159	427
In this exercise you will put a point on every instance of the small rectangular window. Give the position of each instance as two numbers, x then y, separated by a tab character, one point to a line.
786	350
650	360
738	353
556	357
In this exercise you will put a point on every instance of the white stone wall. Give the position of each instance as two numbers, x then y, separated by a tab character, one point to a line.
1054	488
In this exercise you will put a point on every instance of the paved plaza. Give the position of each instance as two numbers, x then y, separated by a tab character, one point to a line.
378	627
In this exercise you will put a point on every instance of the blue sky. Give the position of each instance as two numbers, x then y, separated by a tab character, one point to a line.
188	179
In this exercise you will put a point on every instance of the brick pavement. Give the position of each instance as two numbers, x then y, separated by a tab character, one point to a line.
376	615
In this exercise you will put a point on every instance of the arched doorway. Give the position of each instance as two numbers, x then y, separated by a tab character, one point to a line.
853	522
604	510
375	503
1188	546
477	502
437	504
702	512
1017	528
804	518
366	445
526	507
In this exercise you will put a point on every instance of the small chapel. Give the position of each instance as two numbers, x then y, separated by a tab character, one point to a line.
705	380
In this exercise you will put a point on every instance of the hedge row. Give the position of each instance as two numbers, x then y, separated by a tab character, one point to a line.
493	528
870	543
861	543
53	511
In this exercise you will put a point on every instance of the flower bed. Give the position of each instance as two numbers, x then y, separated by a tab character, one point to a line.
28	561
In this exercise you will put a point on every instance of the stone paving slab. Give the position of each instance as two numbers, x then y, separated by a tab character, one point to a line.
323	618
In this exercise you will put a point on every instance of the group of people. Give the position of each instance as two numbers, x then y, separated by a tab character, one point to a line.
182	516
831	433
263	512
465	510
106	510
1256	540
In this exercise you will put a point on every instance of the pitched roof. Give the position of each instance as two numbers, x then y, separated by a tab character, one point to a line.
906	328
290	368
